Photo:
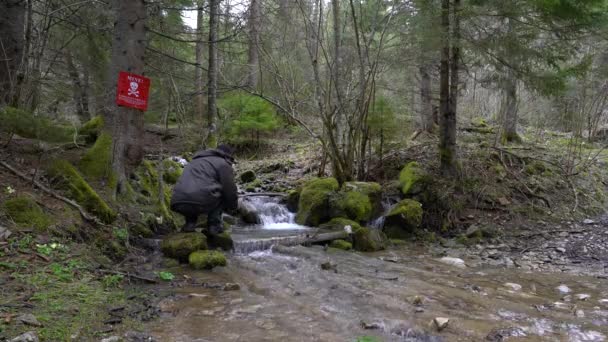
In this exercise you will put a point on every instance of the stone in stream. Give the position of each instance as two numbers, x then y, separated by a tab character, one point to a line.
582	296
29	336
453	262
206	259
341	244
180	245
313	206
247	176
248	212
513	286
223	241
403	220
441	323
563	289
579	313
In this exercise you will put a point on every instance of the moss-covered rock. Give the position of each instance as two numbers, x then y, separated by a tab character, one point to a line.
338	223
146	185
341	244
535	168
92	129
172	170
353	205
368	240
313	207
247	176
292	199
25	124
372	190
114	250
67	177
206	260
180	245
403	219
96	164
141	229
413	179
26	213
223	241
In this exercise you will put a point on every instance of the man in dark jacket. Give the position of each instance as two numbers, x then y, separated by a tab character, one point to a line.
206	187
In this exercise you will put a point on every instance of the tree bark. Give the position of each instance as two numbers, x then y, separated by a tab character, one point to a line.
12	25
198	71
254	41
79	91
508	108
126	125
212	74
426	102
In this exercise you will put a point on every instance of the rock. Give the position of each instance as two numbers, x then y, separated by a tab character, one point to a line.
328	266
561	249
341	244
172	170
582	296
372	190
30	336
503	201
206	259
563	289
372	325
368	240
223	241
313	206
136	336
588	221
417	301
453	262
603	301
350	204
4	233
231	287
339	224
111	339
248	212
29	319
413	179
441	323
292	199
180	245
403	220
513	286
579	313
247	176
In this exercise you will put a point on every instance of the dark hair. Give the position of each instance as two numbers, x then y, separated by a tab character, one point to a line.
226	149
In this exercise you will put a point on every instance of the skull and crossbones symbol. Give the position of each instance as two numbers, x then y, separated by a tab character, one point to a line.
133	89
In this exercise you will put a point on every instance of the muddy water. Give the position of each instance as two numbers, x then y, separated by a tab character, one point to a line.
285	295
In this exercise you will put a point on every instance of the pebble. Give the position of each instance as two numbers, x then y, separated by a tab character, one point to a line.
29	319
111	339
231	287
563	289
561	249
441	323
4	233
453	262
582	296
579	313
588	221
513	286
603	301
29	336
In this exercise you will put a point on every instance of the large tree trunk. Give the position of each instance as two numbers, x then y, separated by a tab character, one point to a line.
212	73
126	125
426	101
79	89
448	92
508	108
254	41
12	25
199	101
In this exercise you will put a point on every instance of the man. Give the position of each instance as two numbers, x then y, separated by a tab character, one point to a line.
206	187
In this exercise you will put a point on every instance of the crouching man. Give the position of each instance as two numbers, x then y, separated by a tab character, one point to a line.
206	187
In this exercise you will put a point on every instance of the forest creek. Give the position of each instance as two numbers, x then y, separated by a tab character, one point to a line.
415	170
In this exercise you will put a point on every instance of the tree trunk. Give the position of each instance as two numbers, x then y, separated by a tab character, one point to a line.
12	25
426	104
508	108
212	74
79	91
447	133
126	125
199	100
254	41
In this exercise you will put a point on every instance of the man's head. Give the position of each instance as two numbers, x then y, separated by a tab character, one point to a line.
229	151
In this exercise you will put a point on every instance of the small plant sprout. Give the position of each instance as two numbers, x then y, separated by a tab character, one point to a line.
9	190
166	276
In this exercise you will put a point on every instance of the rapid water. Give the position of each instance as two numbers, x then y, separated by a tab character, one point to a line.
273	214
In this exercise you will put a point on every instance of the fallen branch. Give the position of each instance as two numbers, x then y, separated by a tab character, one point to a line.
52	193
129	275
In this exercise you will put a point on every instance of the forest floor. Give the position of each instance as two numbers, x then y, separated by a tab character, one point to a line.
527	207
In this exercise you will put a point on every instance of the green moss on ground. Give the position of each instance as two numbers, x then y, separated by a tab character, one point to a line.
171	171
67	177
510	138
413	179
223	241
206	259
96	164
535	168
341	244
92	129
247	176
404	219
27	125
338	223
180	245
313	204
146	187
368	240
140	229
26	213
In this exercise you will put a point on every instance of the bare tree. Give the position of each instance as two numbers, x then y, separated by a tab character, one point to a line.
214	7
12	25
198	71
254	42
79	89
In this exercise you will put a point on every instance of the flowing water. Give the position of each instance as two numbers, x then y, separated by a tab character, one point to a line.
286	295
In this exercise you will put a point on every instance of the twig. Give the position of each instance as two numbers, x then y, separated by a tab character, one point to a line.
129	275
574	192
52	193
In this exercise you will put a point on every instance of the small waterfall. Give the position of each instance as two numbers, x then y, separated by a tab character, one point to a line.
387	206
273	214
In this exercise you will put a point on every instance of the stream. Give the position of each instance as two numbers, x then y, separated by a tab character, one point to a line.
284	294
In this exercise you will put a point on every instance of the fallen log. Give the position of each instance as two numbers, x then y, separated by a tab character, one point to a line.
264	194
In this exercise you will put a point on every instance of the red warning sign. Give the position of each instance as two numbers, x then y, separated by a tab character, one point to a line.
132	90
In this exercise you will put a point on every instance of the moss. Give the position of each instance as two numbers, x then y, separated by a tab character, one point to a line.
413	179
368	240
313	204
26	213
535	168
96	164
479	122
180	245
67	177
353	205
510	138
251	187
172	170
247	176
292	199
114	250
341	244
141	229
206	259
27	125
146	184
338	223
223	241
92	129
370	189
403	219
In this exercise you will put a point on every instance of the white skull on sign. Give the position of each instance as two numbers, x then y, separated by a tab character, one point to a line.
133	89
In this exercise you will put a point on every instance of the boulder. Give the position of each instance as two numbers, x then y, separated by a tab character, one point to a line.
413	179
368	240
222	241
30	336
92	129
172	170
402	221
292	199
353	205
341	244
248	212
372	190
340	223
180	245
206	259
314	201
247	176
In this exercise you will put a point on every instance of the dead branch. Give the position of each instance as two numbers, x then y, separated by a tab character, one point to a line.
129	275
